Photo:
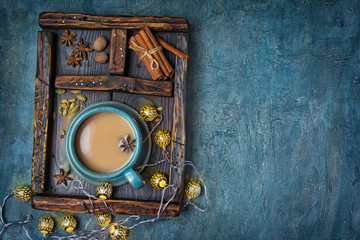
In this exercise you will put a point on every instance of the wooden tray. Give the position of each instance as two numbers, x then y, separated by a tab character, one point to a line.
125	81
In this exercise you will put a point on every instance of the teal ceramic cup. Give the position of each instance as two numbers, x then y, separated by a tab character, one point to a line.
126	171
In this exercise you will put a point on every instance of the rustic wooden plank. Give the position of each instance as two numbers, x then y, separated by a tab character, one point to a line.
87	21
82	205
42	109
115	83
45	56
178	129
58	159
118	45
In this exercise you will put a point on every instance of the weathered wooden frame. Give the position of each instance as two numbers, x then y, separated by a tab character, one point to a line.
45	82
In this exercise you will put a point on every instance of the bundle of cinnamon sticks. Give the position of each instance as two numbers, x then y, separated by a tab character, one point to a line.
150	52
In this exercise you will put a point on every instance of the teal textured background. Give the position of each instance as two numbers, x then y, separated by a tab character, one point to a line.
272	114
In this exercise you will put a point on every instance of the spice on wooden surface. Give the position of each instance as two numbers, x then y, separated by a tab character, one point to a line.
101	57
75	91
81	48
68	38
150	52
168	66
63	177
170	48
74	60
100	44
60	91
138	45
81	97
156	55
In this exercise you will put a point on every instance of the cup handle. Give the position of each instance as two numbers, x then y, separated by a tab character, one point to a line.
133	178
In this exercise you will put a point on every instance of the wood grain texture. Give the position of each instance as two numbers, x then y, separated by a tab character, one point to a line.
118	45
115	83
42	109
82	205
178	128
87	21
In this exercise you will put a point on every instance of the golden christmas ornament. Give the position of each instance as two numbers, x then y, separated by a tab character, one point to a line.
193	189
103	219
23	194
117	232
104	191
68	223
162	138
46	225
158	180
150	113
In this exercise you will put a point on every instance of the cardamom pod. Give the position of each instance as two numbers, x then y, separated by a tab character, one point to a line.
65	112
75	91
65	106
72	100
63	132
72	105
81	97
75	109
64	101
60	91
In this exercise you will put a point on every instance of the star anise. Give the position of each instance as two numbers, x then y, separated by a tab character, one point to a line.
68	38
81	48
126	144
74	60
63	177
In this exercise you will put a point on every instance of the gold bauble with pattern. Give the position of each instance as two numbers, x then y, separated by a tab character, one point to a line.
46	225
118	232
104	191
150	113
162	138
158	180
193	189
23	194
103	219
68	223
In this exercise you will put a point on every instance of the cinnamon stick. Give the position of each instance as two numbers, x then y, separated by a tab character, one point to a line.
140	54
172	49
164	59
157	73
156	54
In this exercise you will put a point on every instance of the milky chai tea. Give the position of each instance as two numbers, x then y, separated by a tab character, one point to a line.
97	141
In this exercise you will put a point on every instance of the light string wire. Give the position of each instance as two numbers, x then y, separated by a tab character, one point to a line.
103	232
83	234
22	223
153	129
184	164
